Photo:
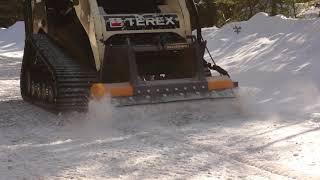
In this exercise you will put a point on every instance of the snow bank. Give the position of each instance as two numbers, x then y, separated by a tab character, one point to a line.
277	58
11	52
12	41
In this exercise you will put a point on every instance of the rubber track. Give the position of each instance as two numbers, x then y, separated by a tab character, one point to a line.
72	80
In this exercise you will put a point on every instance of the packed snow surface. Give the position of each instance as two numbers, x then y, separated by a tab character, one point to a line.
270	132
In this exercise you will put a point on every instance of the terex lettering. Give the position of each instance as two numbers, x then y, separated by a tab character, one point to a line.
142	22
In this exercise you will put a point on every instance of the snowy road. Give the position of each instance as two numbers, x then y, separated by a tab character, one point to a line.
254	137
184	144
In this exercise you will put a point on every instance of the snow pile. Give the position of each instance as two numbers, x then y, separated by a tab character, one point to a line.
276	58
12	40
11	52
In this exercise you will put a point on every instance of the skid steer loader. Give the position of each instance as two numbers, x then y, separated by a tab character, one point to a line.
136	51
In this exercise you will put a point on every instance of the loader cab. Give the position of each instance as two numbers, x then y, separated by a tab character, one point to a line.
130	6
149	25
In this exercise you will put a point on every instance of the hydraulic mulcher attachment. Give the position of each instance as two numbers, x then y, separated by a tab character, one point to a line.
191	83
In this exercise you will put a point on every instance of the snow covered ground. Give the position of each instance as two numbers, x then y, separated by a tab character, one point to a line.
270	132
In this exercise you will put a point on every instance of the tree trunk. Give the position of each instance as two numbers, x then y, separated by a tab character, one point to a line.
214	13
274	7
250	8
294	8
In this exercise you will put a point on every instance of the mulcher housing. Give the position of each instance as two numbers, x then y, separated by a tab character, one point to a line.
137	52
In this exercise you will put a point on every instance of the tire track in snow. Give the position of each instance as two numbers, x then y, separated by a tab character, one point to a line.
245	159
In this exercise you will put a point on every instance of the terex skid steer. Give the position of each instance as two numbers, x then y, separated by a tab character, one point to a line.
135	51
